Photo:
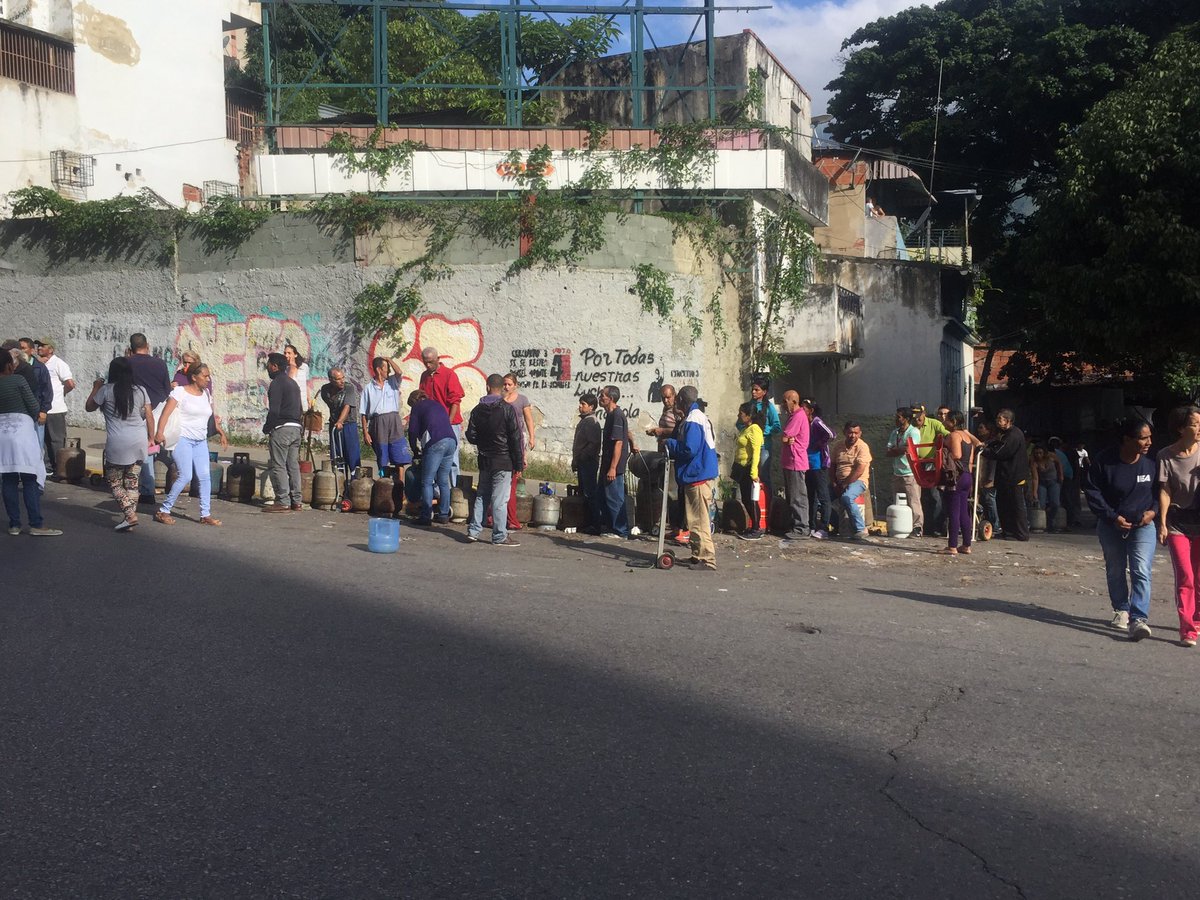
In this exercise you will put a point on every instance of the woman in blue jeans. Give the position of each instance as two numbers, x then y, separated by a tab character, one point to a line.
192	405
1120	491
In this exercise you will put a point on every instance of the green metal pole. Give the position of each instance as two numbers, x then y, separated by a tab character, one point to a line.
710	56
380	62
271	112
637	64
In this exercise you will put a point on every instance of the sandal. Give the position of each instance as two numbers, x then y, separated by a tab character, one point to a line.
209	520
164	518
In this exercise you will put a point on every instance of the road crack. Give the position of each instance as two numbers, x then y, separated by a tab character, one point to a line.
948	694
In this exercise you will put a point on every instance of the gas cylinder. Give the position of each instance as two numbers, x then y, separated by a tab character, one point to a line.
899	518
306	482
524	508
70	462
383	502
240	479
360	490
325	486
1037	518
460	507
546	508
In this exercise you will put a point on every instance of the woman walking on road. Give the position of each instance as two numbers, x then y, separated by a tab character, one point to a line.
1120	491
191	453
958	498
1178	515
128	428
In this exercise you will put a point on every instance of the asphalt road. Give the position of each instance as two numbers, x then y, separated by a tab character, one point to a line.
270	710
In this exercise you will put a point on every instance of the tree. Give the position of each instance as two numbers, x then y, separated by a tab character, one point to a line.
1113	252
1016	75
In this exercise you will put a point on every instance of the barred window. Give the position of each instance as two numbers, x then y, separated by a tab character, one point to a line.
36	58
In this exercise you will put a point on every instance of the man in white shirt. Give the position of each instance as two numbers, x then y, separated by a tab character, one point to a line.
62	382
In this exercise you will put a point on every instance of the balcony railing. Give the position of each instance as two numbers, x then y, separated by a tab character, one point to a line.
35	58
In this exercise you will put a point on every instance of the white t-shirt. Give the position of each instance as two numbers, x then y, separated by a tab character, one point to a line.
59	373
193	414
301	379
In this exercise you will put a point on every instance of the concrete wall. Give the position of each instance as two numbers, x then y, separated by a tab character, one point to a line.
566	332
149	100
851	232
903	329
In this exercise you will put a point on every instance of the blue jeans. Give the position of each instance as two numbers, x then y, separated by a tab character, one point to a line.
851	494
435	466
454	464
494	486
14	483
617	519
191	456
1131	554
146	479
1049	498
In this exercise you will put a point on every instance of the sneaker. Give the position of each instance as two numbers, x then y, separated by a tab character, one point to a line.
862	537
1139	630
438	520
682	537
755	535
916	532
45	532
819	535
472	538
1120	620
125	525
1189	641
507	542
14	530
699	566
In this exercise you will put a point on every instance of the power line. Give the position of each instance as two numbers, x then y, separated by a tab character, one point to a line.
120	152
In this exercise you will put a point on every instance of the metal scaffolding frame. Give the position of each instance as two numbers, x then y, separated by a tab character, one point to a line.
514	81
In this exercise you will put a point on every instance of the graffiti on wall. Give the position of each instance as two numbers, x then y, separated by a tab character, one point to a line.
458	342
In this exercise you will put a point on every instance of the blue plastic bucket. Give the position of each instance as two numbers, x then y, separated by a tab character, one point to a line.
383	535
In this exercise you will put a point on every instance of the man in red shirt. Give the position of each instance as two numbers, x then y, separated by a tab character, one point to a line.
441	384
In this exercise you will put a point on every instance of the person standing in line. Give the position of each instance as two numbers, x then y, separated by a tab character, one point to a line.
1011	472
817	479
795	465
985	471
150	374
128	430
745	471
383	429
614	456
760	397
341	397
697	468
186	359
492	428
191	453
585	460
283	427
522	407
1070	483
934	517
297	370
1179	514
1046	473
22	470
1120	491
439	383
37	376
903	480
851	476
962	446
667	422
62	382
430	433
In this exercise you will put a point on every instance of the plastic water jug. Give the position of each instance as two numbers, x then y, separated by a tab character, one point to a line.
383	535
899	518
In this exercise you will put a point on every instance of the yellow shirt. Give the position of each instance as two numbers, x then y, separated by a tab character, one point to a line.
749	448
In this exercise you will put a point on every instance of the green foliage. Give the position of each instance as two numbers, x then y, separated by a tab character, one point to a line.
789	258
385	307
119	228
334	44
368	156
225	223
1017	76
1113	254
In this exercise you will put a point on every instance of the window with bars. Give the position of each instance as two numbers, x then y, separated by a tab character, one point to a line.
36	58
